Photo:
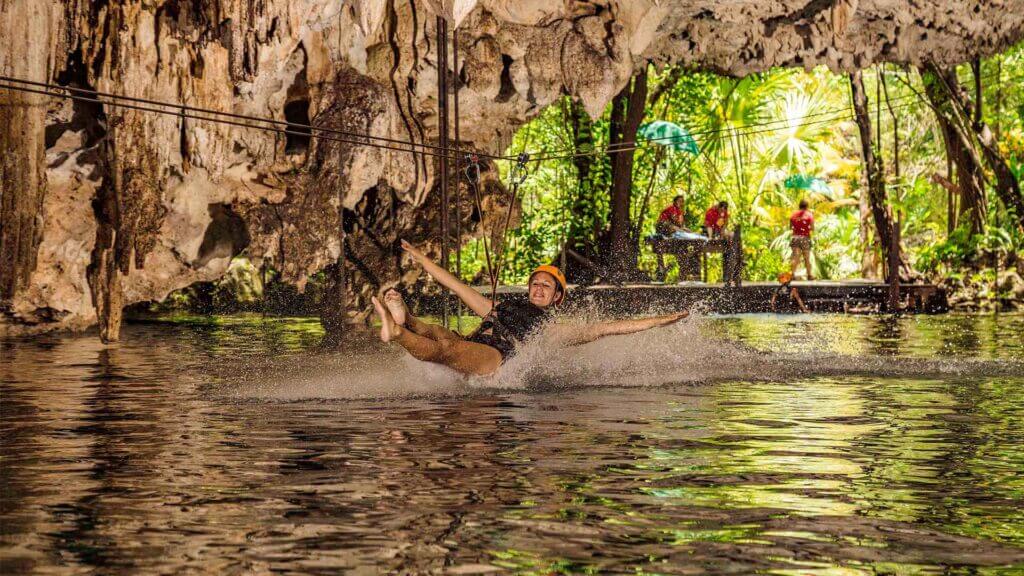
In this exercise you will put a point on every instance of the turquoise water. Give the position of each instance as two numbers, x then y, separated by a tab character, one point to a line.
732	445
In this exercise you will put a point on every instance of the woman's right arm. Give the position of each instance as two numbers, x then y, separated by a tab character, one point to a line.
477	302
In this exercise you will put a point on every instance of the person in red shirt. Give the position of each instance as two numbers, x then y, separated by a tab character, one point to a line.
716	219
671	219
670	222
801	224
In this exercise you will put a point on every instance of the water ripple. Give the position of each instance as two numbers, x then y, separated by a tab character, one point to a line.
196	448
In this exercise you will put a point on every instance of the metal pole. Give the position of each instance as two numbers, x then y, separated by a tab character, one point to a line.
894	270
442	128
342	259
897	248
458	173
565	217
894	249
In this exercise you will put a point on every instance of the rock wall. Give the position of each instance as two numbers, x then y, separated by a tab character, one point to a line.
105	206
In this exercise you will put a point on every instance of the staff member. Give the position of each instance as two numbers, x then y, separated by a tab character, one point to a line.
786	298
716	219
801	224
671	219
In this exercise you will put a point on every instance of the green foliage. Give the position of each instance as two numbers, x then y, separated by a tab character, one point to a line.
754	135
952	252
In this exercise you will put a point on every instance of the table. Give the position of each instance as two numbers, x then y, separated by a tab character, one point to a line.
732	253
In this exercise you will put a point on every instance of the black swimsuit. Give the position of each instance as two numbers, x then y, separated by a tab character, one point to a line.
508	324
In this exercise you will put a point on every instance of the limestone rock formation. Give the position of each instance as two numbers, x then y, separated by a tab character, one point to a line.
104	206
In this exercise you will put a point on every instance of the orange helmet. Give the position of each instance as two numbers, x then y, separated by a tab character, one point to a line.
554	271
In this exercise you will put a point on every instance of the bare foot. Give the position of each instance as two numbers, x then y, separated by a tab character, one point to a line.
395	304
387	325
678	316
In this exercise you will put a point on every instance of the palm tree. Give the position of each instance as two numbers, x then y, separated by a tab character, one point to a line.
736	105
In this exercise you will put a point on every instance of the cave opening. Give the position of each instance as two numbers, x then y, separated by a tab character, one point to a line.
86	117
226	236
507	89
296	114
296	109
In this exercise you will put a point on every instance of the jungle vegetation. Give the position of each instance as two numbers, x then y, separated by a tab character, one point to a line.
926	159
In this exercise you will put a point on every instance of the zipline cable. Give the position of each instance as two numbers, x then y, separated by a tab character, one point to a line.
787	122
180	114
636	145
180	110
630	146
183	111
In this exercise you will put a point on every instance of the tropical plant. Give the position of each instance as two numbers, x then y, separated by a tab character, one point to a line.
754	135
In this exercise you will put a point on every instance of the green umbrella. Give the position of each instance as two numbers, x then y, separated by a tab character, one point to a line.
669	135
809	183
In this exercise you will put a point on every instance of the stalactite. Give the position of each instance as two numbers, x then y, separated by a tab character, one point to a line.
236	55
23	178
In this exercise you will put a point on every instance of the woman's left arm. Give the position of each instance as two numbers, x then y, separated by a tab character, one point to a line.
620	327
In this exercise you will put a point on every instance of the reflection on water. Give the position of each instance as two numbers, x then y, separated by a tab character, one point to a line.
178	450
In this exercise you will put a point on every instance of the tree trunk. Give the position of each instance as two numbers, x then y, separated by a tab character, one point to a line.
869	256
1007	186
627	114
872	166
585	224
969	176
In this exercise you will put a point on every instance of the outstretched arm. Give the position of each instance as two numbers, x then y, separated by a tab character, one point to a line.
618	327
476	301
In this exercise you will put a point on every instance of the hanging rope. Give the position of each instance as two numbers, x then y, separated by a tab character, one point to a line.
517	175
472	171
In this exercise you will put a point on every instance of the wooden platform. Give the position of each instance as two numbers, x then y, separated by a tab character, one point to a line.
751	297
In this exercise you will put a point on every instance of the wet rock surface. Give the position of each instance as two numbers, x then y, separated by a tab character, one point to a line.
107	206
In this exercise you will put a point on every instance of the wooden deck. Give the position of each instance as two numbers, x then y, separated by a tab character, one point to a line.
751	297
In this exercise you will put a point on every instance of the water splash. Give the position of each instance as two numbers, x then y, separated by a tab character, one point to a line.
681	354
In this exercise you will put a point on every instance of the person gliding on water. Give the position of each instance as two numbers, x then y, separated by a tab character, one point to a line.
505	324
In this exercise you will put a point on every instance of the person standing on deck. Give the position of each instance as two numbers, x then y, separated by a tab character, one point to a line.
716	222
801	224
